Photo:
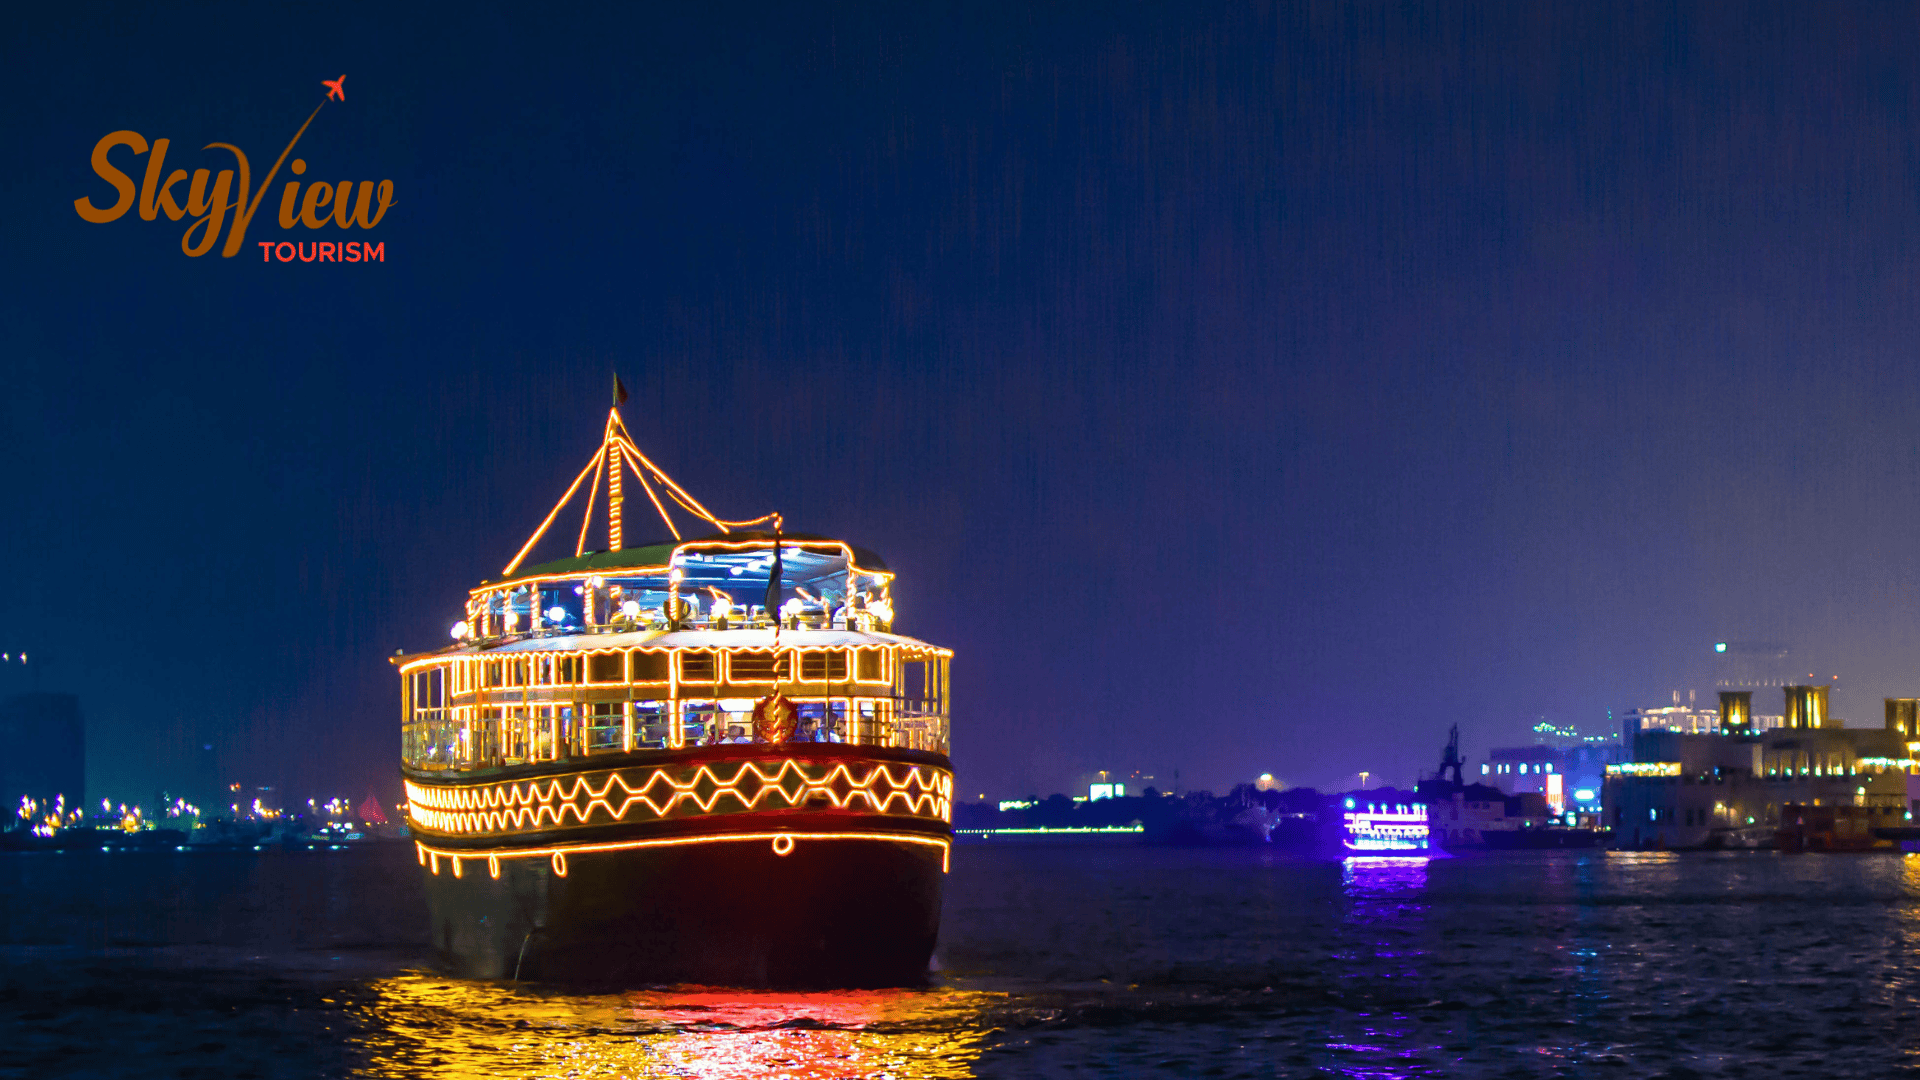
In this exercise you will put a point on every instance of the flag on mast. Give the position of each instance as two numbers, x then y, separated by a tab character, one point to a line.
619	391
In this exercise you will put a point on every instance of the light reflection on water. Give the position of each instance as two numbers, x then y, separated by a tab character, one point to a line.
1379	938
420	1025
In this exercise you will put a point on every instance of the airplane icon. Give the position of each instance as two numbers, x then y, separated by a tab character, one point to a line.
333	88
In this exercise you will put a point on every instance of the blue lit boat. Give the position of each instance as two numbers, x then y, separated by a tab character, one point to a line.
1372	824
704	760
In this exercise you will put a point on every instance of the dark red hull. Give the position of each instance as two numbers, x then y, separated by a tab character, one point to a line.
799	882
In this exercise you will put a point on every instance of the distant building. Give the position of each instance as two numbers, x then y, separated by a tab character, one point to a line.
1569	778
1692	719
1727	785
46	750
1111	784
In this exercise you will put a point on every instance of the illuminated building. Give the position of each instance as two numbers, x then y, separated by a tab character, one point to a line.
1537	802
1729	785
46	756
703	760
1568	778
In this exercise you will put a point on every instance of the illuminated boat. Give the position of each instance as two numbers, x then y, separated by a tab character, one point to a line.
1368	827
707	760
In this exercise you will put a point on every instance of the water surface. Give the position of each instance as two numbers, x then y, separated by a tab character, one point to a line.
1094	960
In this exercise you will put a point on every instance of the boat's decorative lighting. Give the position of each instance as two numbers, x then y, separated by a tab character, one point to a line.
459	630
557	614
631	609
534	804
430	857
1397	827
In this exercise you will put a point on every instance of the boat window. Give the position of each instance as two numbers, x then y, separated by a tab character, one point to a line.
544	733
698	666
648	666
870	670
756	666
513	732
427	690
823	666
607	667
606	727
913	680
652	722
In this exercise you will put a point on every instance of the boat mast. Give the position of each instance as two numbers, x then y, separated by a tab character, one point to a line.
616	456
613	468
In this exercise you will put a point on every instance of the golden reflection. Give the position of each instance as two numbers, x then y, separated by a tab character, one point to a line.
420	1024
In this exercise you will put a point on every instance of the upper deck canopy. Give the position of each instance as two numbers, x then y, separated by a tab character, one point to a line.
710	559
738	578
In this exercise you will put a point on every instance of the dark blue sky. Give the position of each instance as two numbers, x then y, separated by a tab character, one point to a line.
1236	388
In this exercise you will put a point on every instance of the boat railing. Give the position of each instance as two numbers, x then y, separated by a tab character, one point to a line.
655	620
500	735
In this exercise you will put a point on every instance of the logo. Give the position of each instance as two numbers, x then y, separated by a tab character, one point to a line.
227	201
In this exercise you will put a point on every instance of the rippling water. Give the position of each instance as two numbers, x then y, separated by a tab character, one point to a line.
1085	960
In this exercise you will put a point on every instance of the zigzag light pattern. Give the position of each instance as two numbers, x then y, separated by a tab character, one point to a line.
536	804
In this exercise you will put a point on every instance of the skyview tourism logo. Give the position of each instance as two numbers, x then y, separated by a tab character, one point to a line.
228	205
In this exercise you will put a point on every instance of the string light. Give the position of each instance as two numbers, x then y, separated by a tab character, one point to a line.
613	493
530	805
431	856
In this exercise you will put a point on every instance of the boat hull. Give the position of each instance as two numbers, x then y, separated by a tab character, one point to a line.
724	913
801	866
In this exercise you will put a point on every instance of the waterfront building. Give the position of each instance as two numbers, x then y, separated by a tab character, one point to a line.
1462	815
46	755
1568	778
1729	785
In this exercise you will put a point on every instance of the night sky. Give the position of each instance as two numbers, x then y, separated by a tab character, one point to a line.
1235	389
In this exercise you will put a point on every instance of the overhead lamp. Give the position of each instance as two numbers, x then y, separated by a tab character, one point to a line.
459	630
631	609
558	614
